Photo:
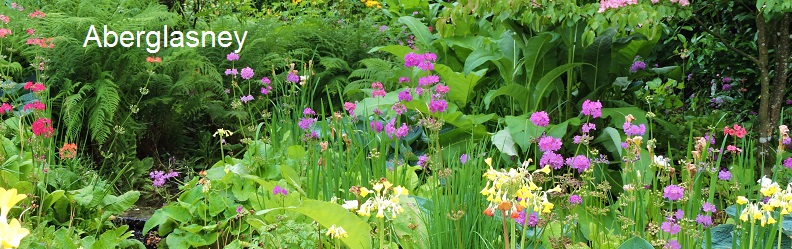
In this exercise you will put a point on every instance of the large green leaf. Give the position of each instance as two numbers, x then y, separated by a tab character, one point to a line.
119	204
636	243
397	50
542	86
479	57
461	85
328	214
419	30
611	139
535	49
599	55
504	142
518	92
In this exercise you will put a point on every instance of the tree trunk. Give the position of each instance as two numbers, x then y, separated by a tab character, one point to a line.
773	89
765	126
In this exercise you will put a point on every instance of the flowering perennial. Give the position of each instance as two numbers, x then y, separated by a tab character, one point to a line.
384	200
513	191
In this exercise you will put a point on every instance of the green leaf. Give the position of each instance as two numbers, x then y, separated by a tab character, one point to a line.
599	55
546	81
478	57
119	204
328	214
52	198
636	243
461	85
419	30
535	49
611	139
722	236
504	142
398	50
518	92
295	152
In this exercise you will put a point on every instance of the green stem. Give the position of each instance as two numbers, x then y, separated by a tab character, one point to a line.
751	239
381	232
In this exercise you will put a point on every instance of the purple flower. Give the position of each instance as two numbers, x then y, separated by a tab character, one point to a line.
422	160
246	73
240	209
788	163
422	61
376	126
789	101
402	131
442	89
548	143
555	161
463	158
587	127
232	57
227	90
708	207
277	190
383	28
673	192
231	71
437	105
704	220
575	199
591	108
308	111
390	128
266	90
405	95
247	98
726	87
293	77
724	174
428	80
579	162
404	79
624	145
532	219
710	138
306	123
540	119
726	80
637	66
672	244
159	177
679	214
670	227
265	81
634	130
399	108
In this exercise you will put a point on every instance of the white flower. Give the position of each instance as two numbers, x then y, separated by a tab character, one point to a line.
661	161
350	205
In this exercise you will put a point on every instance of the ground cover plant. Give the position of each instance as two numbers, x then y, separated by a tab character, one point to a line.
396	124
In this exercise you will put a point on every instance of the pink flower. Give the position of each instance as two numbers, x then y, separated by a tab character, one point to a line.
4	32
587	127
5	108
247	98
402	131
43	127
35	105
555	161
292	77
232	57
548	143
265	81
350	107
231	71
579	162
788	163
376	126
399	108
673	192
733	149
404	79
37	14
405	95
246	73
437	105
34	87
30	31
428	80
540	119
593	109
5	19
442	89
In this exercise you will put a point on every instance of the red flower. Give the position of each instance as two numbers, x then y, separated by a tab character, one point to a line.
153	59
736	131
36	105
5	108
43	127
35	87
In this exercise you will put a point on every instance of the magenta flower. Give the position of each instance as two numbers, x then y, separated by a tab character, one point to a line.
679	214
670	227
240	209
399	108
5	108
292	77
265	81
463	158
350	108
159	177
579	162
308	111
277	190
673	192
575	199
390	128
540	118
548	143
266	90
428	80
376	126
708	207
231	71
403	79
422	160
247	98
724	175
672	244
232	57
378	93
634	130
405	95
442	89
306	123
704	220
437	105
593	109
637	66
788	163
555	161
246	73
402	131
587	127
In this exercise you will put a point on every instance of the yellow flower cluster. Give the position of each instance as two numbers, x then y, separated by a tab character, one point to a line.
11	233
336	232
514	190
779	199
385	199
372	3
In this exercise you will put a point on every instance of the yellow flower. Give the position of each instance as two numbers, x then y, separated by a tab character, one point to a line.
387	185
545	170
488	161
364	192
378	187
770	220
336	232
399	190
547	207
11	234
8	198
742	200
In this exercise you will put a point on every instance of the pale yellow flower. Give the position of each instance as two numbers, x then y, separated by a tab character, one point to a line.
8	199
11	234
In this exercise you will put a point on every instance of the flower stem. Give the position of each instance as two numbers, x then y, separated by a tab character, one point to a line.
505	231
381	232
750	244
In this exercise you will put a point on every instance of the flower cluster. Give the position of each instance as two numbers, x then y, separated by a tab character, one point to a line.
267	86
513	191
775	199
278	190
540	119
43	127
372	4
379	90
336	232
11	233
391	129
159	177
422	61
633	130
736	131
68	151
307	121
152	59
592	108
384	200
637	66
